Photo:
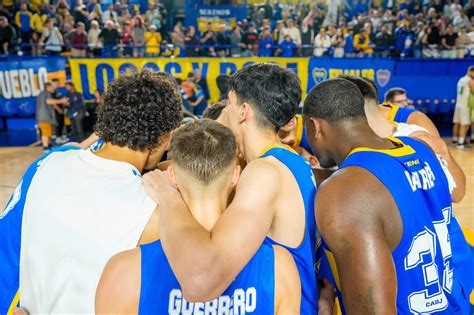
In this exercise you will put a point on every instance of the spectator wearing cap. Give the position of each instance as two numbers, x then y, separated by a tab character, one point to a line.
8	37
77	38
250	40
93	41
307	34
23	22
265	43
191	42
138	35
322	43
110	38
222	41
152	42
51	39
208	41
288	47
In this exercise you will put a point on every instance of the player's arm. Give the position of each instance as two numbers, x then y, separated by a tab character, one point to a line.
287	283
118	291
420	119
471	86
347	209
151	232
205	263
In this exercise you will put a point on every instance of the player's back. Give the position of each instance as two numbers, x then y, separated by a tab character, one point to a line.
426	277
252	292
80	210
297	193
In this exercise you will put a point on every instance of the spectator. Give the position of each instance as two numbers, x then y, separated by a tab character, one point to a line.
81	14
208	40
383	41
265	43
202	82
362	45
449	43
431	41
127	40
110	38
78	40
349	50
250	40
110	15
456	8
463	43
419	34
178	37
97	15
23	21
236	42
53	16
94	43
461	20
322	43
288	47
152	42
307	35
76	111
294	32
138	35
268	10
469	9
191	42
8	37
153	16
197	99
59	136
51	39
45	107
125	18
222	41
338	42
67	23
279	32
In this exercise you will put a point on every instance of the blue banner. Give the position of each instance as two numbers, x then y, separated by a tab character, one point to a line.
217	15
22	79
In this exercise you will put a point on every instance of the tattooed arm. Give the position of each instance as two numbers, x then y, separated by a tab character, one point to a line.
349	209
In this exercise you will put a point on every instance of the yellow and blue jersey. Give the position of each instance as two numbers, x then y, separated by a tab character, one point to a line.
305	254
10	237
398	114
301	139
433	261
252	291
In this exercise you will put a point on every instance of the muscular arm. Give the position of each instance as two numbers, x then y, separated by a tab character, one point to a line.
471	86
287	283
348	207
420	119
205	263
118	291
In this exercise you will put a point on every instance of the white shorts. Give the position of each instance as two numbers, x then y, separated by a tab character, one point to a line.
463	115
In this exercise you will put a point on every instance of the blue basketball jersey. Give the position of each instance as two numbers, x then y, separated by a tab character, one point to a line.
301	138
428	281
252	292
304	254
398	114
10	237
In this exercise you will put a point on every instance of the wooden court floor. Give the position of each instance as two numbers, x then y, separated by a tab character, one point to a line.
15	160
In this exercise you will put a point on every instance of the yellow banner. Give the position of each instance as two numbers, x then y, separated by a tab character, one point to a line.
90	75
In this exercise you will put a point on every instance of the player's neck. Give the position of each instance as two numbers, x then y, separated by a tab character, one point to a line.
257	140
357	135
123	154
382	127
206	210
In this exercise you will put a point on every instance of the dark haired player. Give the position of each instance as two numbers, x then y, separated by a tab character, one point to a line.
204	168
102	207
385	214
274	197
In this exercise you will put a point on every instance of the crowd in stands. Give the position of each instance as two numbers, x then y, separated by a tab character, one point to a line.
418	28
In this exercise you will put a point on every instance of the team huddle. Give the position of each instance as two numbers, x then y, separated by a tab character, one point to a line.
256	211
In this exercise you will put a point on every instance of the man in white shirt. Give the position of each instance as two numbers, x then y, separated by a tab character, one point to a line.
77	208
294	32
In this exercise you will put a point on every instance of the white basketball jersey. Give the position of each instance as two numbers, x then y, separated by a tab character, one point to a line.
463	91
80	210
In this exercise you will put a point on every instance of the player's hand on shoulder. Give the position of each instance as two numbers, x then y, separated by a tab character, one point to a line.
159	188
436	144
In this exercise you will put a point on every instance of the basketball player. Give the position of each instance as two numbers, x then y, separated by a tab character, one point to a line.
274	196
399	114
74	210
385	214
462	114
385	128
204	168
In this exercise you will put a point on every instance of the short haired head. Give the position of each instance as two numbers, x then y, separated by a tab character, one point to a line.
69	85
138	110
396	96
273	93
328	110
214	112
366	87
223	83
470	71
204	149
